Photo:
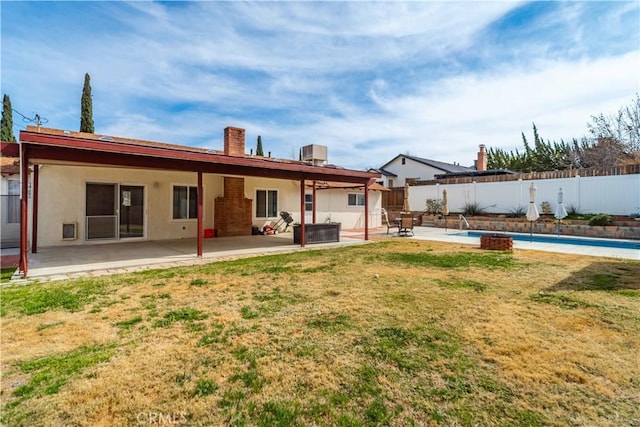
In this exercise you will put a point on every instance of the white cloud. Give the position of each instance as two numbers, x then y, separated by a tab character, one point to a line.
368	79
448	124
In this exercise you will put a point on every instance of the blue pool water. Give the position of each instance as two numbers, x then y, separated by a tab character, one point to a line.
607	243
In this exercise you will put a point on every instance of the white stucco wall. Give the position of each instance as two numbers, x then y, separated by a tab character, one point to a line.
62	200
332	206
288	197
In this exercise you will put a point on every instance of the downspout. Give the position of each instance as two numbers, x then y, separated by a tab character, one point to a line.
24	205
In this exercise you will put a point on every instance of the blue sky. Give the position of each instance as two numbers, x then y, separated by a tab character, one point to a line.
368	79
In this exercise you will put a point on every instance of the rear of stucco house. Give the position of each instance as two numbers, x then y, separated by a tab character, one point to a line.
84	203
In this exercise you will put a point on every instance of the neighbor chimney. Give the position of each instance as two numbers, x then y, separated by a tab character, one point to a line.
233	141
481	164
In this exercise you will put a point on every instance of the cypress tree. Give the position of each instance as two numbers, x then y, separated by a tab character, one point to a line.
259	151
6	126
86	107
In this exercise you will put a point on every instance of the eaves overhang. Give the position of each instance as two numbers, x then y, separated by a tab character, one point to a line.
43	147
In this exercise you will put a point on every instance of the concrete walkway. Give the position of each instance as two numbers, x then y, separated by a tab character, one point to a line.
59	263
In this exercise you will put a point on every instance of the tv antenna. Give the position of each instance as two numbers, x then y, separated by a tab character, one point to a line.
36	119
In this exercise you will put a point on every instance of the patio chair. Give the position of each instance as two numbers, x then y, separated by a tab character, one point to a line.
406	225
389	225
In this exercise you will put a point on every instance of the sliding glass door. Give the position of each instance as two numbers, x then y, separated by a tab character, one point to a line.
101	211
114	211
131	211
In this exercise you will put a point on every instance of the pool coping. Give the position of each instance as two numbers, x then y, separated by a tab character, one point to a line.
453	236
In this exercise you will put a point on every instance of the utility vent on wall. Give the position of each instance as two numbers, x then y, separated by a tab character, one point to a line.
316	154
69	231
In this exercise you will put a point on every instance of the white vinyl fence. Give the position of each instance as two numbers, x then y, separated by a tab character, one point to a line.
614	195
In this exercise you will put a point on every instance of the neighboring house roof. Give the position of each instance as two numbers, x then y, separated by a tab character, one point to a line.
46	145
384	172
9	165
474	172
324	185
445	167
10	149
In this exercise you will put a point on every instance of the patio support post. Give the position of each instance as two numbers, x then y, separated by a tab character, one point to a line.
24	204
200	230
302	214
34	219
366	211
313	209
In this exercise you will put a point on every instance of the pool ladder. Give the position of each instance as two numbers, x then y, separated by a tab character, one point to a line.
464	221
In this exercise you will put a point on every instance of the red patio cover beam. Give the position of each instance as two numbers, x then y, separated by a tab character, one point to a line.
366	212
183	158
24	205
200	221
302	214
34	219
42	153
313	220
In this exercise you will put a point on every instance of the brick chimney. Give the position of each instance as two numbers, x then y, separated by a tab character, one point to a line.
232	213
233	141
481	163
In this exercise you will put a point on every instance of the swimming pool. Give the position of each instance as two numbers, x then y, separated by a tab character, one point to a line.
564	240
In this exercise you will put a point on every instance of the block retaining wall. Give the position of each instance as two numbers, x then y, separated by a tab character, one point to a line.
630	232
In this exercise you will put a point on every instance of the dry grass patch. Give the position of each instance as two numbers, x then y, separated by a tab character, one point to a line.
399	332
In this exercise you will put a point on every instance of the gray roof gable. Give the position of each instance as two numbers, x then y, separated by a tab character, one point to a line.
383	172
445	167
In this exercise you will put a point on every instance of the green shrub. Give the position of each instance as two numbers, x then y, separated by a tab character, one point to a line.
573	212
600	219
472	209
517	212
434	206
546	208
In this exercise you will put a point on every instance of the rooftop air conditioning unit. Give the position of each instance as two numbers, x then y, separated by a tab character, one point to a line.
316	154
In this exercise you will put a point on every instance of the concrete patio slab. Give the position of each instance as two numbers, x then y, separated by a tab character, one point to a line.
458	236
65	262
61	263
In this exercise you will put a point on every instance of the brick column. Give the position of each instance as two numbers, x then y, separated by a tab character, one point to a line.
232	216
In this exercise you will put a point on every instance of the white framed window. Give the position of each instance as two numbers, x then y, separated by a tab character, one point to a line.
266	203
184	202
355	199
308	202
13	201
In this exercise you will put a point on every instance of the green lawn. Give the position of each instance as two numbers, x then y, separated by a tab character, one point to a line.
398	332
6	274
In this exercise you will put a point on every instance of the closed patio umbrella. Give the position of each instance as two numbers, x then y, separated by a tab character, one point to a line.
561	212
405	204
445	208
532	212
